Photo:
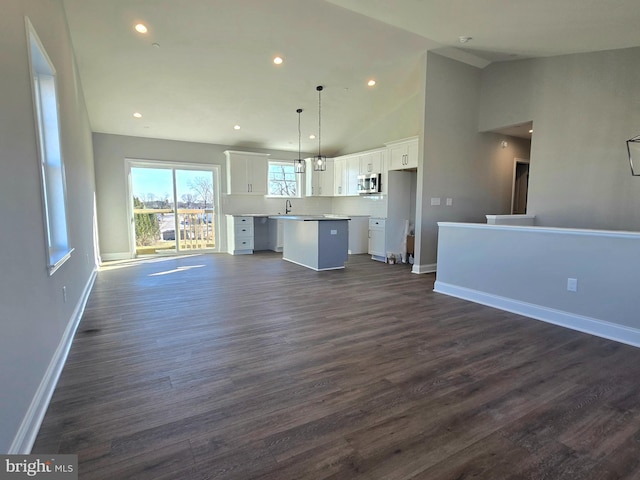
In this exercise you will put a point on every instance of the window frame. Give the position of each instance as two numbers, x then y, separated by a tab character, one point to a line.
297	178
50	156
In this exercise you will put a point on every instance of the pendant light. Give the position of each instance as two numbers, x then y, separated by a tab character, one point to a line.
299	164
319	161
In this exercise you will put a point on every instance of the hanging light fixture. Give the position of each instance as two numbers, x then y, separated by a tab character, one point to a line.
299	164
319	161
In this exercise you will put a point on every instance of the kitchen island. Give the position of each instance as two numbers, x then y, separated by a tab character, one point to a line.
317	242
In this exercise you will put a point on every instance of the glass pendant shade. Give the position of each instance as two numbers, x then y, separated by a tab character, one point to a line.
300	166
319	163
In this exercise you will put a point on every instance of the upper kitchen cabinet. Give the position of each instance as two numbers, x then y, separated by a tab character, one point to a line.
403	154
319	184
346	171
247	172
372	162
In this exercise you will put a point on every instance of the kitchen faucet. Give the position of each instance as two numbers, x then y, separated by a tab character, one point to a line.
287	207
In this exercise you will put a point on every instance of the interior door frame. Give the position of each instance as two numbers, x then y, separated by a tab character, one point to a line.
173	166
516	161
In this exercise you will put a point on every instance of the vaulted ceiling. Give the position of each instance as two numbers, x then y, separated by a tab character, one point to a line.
207	65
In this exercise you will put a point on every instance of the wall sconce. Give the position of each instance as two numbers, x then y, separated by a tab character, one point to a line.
633	150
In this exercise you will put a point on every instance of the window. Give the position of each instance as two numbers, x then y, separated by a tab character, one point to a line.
51	162
283	181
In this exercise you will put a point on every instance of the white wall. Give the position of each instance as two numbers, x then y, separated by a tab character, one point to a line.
583	109
33	314
525	270
110	152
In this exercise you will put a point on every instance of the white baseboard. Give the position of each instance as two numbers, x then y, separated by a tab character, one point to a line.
110	257
592	326
28	431
429	268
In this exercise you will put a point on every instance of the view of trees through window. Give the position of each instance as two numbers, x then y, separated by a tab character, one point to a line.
164	222
282	179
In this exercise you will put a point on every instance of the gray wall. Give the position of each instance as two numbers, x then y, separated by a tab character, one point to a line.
459	162
32	312
525	270
583	108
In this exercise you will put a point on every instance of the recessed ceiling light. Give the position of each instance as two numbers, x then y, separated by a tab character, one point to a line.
312	136
137	115
371	82
531	130
141	28
236	127
278	60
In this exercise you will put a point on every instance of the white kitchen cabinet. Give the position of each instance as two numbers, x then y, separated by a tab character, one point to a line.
339	177
247	172
353	170
239	235
346	171
403	154
372	162
377	239
319	184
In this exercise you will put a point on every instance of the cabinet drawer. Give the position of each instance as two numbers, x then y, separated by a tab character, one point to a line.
243	221
376	223
243	243
243	230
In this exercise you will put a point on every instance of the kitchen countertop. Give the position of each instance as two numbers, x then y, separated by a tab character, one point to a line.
309	218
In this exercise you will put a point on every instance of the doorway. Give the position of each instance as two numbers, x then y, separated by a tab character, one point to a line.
174	208
520	186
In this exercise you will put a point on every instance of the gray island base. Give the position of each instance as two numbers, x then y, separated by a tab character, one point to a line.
316	242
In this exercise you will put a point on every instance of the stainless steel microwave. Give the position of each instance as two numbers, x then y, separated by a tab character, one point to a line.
369	183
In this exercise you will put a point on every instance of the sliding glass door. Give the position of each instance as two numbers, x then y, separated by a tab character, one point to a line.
174	209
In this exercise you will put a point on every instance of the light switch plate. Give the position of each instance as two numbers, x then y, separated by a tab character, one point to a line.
572	284
449	202
435	201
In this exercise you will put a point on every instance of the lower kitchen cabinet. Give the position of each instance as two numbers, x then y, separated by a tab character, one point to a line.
377	239
239	235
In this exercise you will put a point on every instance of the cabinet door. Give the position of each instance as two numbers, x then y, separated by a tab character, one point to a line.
353	170
371	163
257	175
397	156
237	181
325	180
377	237
412	154
339	183
312	186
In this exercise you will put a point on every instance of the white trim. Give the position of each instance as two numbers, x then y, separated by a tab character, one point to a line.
536	229
313	268
28	431
110	257
428	268
592	326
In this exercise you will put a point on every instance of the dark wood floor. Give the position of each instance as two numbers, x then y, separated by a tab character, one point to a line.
221	367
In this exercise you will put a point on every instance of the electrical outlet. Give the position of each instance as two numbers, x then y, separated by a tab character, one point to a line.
572	284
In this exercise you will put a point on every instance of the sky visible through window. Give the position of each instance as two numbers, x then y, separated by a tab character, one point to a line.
159	181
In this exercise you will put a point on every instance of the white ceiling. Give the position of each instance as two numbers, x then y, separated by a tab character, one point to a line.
213	68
